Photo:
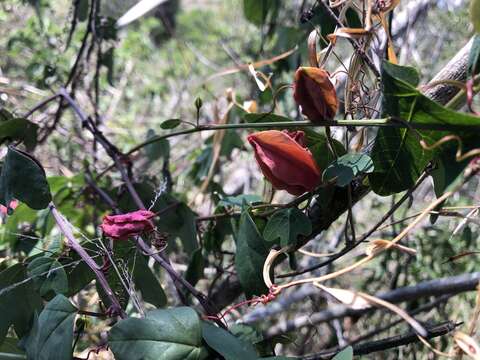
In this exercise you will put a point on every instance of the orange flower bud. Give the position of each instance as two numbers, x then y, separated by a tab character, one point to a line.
284	160
315	93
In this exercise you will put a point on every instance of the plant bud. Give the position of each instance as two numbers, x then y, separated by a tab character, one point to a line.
284	160
315	94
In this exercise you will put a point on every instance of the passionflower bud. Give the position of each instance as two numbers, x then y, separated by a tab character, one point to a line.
121	227
285	161
315	93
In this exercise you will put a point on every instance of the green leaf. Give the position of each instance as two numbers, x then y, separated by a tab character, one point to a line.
202	164
19	129
188	231
347	167
51	337
169	334
345	354
179	221
216	232
108	60
231	140
250	256
257	118
227	345
148	284
13	223
253	335
170	123
5	115
9	350
256	11
23	178
398	157
353	19
287	225
18	301
158	149
195	267
448	170
473	67
79	275
475	14
48	274
82	9
320	149
239	200
246	332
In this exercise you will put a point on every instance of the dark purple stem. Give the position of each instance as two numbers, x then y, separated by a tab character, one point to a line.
66	229
116	156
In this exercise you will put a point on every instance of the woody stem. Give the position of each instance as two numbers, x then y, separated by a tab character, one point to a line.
384	122
66	229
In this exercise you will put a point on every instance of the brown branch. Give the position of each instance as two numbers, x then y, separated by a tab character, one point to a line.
392	342
66	229
456	69
438	287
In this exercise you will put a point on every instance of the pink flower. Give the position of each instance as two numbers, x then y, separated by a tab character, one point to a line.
4	210
121	227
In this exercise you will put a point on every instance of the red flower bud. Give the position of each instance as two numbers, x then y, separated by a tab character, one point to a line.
315	93
284	160
120	227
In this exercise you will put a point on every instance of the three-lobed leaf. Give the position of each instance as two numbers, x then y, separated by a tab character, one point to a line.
397	155
287	225
347	167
